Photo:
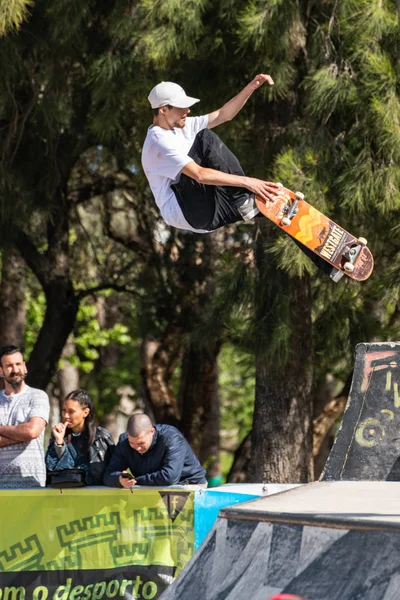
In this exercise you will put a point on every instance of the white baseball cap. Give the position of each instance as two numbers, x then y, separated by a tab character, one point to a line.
167	92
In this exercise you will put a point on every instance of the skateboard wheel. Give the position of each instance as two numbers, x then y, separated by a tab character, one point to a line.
286	222
299	196
362	241
348	267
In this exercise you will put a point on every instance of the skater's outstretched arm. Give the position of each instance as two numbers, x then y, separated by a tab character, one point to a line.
231	108
266	190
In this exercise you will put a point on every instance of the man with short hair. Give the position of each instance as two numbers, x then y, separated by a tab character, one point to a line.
24	413
155	455
197	182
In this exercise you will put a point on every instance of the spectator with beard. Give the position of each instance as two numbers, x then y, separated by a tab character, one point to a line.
24	413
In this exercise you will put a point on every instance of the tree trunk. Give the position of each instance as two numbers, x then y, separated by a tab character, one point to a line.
60	317
200	405
68	374
323	439
282	423
12	299
52	271
158	363
241	462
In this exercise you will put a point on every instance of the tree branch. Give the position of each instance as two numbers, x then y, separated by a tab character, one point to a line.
106	286
37	262
99	187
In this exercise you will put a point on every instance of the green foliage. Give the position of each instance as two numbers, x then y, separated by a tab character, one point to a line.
257	27
368	19
289	259
12	14
391	292
365	185
339	146
104	386
300	170
166	31
331	88
378	75
342	317
89	337
230	312
35	310
385	117
237	379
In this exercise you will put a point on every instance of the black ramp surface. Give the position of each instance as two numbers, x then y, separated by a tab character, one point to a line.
329	564
367	446
335	540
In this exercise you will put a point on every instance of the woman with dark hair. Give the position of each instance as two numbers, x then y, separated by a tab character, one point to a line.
77	442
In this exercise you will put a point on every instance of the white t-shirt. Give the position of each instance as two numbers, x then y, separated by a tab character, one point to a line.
22	465
164	155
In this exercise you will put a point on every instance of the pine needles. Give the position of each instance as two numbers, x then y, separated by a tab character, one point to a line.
12	14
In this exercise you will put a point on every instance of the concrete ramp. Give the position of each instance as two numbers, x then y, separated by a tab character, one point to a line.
367	446
334	540
323	541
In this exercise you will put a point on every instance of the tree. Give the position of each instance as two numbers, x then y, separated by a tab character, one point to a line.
48	113
12	298
76	207
338	144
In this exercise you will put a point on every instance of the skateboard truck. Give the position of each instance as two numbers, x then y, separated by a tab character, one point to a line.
291	210
350	253
336	274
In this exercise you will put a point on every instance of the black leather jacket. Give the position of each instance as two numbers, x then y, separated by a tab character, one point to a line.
100	453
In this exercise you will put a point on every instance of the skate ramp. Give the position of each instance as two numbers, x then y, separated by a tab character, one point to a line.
367	446
323	541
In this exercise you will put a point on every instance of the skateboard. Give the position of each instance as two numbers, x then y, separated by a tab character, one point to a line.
347	254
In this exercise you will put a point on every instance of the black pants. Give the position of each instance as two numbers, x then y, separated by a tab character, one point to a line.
209	206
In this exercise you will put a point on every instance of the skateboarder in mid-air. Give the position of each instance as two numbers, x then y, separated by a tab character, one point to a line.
197	182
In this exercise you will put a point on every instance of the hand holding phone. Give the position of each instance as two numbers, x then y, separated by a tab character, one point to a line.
127	479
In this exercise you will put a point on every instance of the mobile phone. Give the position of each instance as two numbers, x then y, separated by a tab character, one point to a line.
127	476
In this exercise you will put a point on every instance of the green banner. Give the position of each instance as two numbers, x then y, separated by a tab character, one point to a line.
93	543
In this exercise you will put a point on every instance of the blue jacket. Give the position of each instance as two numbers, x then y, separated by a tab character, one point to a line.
168	461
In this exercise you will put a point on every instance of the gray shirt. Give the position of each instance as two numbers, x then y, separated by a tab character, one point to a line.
22	465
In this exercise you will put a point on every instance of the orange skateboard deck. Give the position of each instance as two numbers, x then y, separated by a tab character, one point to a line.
346	253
